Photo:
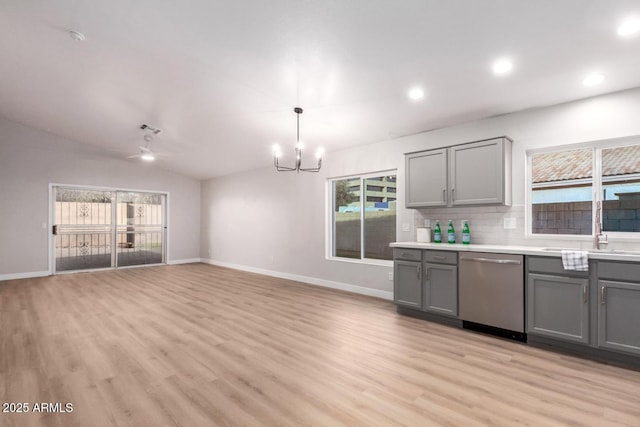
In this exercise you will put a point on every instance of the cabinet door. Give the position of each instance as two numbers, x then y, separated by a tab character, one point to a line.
558	307
426	178
440	293
407	283
619	316
477	173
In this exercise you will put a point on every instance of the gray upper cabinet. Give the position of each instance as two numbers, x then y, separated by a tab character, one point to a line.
558	307
426	180
477	173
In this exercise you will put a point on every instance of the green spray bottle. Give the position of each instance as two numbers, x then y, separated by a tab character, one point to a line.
437	233
451	233
466	233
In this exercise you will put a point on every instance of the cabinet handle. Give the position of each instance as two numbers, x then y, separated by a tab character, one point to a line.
439	257
453	195
427	270
603	295
419	271
584	293
493	261
444	195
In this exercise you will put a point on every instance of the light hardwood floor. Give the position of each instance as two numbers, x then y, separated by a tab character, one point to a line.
197	345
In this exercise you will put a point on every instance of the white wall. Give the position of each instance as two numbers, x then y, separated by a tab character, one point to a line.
31	159
275	222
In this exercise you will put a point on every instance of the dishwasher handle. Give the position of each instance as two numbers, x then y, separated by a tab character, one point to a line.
493	261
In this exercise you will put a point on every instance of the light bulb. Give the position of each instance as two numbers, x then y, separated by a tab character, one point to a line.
319	153
276	151
593	79
629	27
416	93
299	145
148	156
502	66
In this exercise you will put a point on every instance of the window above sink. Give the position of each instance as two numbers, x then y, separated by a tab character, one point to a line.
567	184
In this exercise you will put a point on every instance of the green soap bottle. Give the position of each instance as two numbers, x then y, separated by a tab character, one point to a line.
466	234
451	233
437	233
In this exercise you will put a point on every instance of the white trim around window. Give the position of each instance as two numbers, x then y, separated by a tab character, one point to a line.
330	224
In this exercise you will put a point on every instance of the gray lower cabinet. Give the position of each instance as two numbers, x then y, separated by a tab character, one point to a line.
619	315
440	293
426	280
407	283
558	307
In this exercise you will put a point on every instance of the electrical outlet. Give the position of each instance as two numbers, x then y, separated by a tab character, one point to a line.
391	275
509	223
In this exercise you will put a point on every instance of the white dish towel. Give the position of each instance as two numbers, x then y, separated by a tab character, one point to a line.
575	260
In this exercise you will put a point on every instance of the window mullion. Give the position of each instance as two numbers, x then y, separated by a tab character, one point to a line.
597	189
363	197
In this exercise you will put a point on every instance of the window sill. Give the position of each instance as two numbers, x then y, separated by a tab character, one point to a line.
365	261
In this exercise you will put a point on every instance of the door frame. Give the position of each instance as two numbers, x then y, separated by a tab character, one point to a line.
51	221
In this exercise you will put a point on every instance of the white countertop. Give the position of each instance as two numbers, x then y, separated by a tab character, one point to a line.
631	256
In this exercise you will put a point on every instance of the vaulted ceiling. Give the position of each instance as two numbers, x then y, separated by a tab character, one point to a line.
221	78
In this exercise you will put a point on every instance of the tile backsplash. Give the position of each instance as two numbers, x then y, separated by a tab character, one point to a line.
487	225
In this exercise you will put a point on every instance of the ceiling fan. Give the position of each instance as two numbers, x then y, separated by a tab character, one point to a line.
145	152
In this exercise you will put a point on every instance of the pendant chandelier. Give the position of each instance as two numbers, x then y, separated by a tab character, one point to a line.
277	153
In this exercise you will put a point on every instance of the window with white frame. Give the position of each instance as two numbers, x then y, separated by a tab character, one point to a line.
363	216
566	185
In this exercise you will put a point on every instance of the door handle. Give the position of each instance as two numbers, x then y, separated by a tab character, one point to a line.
493	261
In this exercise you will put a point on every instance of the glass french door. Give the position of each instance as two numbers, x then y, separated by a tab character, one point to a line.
139	228
98	229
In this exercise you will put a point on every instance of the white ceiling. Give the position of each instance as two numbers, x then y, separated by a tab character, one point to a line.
221	78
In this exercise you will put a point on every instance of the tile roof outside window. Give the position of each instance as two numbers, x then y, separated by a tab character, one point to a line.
577	164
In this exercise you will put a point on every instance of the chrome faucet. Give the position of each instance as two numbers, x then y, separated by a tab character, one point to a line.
599	239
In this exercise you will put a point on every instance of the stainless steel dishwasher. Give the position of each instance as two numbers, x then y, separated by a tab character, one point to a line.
491	292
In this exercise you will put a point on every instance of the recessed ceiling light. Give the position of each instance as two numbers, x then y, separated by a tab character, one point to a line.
629	27
593	79
416	93
77	36
502	66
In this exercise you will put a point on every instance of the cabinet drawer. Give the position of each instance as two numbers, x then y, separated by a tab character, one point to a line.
619	271
407	254
441	257
551	265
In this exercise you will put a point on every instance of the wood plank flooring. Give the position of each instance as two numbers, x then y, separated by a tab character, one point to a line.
197	345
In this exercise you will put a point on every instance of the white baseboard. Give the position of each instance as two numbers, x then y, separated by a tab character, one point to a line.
184	261
29	275
306	279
